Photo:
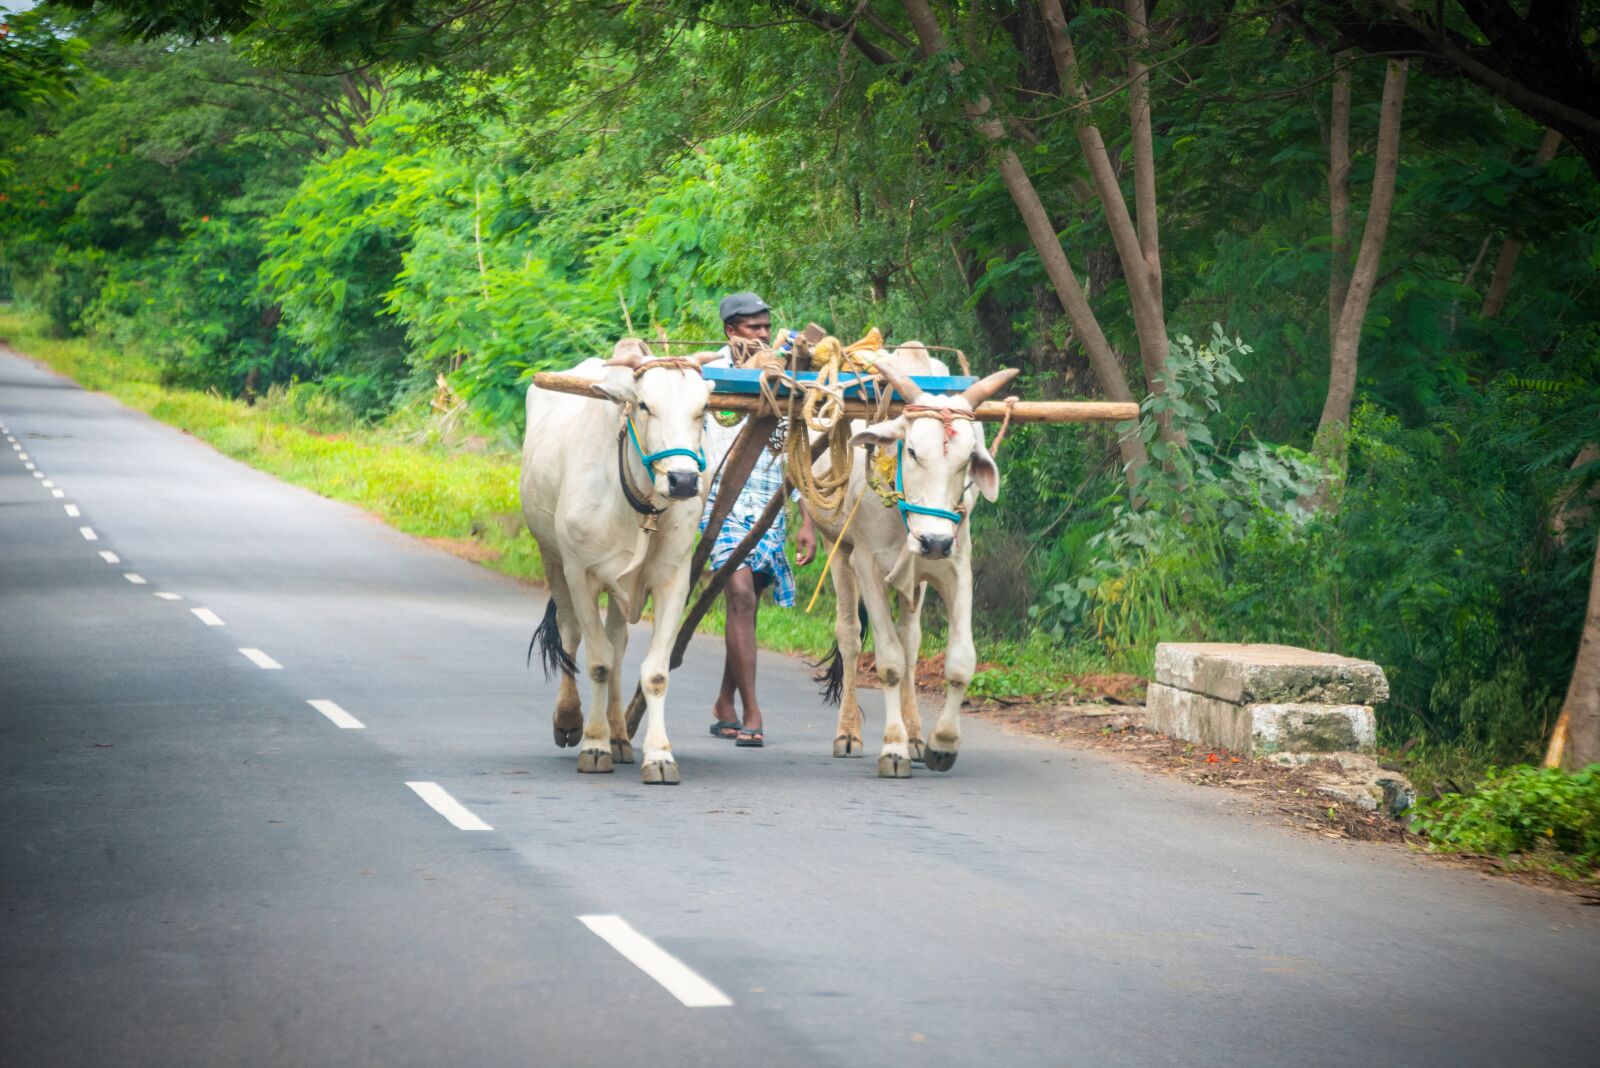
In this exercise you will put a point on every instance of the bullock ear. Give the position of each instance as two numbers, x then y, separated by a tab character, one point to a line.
984	471
890	430
617	384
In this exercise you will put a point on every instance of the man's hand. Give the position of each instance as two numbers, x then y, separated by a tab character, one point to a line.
805	541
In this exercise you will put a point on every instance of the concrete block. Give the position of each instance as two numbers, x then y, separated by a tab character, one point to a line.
1269	674
1260	728
1307	728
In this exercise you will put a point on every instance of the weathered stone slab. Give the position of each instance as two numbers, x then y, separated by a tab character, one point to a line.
1260	728
1269	674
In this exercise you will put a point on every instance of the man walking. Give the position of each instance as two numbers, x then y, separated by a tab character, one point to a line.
747	323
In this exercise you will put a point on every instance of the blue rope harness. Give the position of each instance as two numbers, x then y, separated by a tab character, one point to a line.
649	461
900	494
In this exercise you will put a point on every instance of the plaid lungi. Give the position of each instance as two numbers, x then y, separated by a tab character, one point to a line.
767	559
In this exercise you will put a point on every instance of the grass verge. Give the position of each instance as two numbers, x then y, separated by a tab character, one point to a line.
465	502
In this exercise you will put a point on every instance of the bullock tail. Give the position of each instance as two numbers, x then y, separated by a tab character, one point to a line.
547	637
832	677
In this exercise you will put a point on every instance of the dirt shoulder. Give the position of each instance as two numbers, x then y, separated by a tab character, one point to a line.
1106	713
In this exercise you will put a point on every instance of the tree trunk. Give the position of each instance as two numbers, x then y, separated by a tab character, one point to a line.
1107	368
1347	339
1500	283
1338	197
1136	247
1575	743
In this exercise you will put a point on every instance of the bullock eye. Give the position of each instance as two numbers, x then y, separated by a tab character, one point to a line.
911	452
643	407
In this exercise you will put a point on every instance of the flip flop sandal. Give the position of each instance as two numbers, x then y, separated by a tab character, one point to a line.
724	728
750	739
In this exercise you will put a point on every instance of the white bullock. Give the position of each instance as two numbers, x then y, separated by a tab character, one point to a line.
595	476
924	537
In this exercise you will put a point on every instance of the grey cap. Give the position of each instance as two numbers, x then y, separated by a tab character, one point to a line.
738	305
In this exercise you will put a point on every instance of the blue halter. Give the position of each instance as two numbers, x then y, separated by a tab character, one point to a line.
900	494
649	461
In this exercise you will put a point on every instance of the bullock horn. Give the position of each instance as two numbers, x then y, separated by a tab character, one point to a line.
909	391
987	387
628	353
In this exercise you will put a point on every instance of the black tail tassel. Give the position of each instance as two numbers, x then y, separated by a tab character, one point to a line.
547	636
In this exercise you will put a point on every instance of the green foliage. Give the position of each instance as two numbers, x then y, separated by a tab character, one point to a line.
1543	817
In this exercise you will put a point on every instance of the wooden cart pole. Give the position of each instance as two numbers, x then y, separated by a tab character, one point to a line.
988	411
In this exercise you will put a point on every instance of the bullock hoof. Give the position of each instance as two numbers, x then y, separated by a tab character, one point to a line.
594	761
847	746
621	751
938	760
894	767
567	737
915	747
660	773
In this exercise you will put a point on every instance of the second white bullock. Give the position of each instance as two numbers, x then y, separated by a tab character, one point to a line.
924	537
612	494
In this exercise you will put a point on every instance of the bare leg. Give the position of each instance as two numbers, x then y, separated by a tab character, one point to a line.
847	631
617	631
740	602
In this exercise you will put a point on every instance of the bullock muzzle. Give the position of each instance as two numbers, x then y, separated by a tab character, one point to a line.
681	485
935	546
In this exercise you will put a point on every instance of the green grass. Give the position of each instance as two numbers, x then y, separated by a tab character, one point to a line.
467	499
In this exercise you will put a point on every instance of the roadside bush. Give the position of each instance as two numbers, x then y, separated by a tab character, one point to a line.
1542	817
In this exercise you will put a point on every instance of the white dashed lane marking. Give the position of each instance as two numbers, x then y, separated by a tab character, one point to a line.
30	466
208	617
88	534
170	596
137	580
110	557
448	807
72	510
47	484
38	474
261	660
680	980
57	494
338	716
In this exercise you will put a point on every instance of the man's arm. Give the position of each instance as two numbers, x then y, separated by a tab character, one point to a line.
805	539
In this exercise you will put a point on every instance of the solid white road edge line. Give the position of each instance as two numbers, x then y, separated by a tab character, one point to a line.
137	580
679	979
448	807
261	660
72	510
88	534
209	618
110	557
170	596
337	715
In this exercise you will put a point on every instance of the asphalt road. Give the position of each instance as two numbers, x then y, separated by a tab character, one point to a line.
197	866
